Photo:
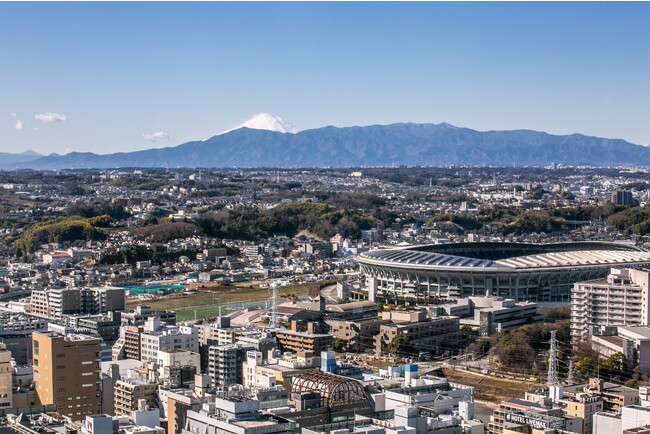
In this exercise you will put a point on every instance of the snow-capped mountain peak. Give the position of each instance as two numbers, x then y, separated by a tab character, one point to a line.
266	121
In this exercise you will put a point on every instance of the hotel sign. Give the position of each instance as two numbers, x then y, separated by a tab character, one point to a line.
535	421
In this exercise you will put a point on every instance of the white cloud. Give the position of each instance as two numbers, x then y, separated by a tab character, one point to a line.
154	137
51	117
18	124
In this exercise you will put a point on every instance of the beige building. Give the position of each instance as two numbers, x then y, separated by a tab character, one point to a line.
308	341
129	392
178	357
584	407
359	335
6	373
67	373
282	369
614	396
424	334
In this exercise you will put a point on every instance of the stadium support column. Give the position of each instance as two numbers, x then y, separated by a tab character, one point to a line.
371	284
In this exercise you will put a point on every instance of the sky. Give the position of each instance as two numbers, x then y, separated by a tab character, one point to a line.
125	76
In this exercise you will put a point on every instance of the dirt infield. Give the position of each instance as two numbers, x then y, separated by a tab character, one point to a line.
487	387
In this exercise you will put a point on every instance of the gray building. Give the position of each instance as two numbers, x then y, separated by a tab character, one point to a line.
225	364
234	415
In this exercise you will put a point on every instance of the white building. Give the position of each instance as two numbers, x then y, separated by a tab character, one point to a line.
619	300
433	392
158	337
178	357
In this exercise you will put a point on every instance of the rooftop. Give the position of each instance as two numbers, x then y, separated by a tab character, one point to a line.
510	256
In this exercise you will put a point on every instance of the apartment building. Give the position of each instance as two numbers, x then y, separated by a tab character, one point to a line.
129	392
424	334
584	407
67	373
619	300
132	342
156	337
57	302
282	368
309	341
225	364
141	314
359	335
16	330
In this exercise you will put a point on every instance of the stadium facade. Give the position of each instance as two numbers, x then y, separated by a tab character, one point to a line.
522	271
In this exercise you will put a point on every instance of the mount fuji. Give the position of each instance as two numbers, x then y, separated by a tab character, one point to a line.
268	122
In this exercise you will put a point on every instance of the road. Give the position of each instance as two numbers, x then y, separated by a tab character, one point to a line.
329	294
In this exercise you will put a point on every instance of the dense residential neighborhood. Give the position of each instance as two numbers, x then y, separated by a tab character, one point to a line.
153	301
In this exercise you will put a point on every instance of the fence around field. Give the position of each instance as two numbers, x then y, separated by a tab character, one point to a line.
202	311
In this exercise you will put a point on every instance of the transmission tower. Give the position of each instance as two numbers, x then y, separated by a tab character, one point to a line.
275	303
552	362
570	380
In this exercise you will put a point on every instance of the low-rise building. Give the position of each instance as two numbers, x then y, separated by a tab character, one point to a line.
234	415
425	334
306	341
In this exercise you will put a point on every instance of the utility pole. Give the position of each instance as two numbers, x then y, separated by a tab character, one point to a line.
275	302
552	362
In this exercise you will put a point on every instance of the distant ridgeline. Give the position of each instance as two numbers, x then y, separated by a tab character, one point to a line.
376	145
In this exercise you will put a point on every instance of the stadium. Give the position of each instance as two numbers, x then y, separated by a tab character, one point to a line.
524	272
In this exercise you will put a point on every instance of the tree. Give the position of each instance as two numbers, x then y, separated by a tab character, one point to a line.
480	348
339	345
558	313
400	345
514	350
585	368
615	365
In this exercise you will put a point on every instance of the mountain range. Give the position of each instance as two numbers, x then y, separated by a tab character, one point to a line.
8	159
255	145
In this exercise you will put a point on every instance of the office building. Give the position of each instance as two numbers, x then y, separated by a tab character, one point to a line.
6	378
16	330
622	197
67	373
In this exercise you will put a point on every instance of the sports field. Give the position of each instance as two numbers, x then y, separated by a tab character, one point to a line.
206	299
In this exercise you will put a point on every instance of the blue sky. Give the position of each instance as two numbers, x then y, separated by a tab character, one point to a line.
106	77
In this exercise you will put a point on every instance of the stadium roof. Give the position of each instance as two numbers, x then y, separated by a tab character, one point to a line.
583	256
